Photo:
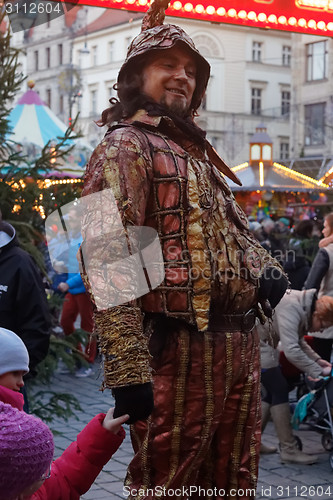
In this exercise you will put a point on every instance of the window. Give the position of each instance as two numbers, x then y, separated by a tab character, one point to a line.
316	61
48	57
315	124
111	51
286	55
61	104
110	89
255	101
285	102
128	40
36	60
284	150
48	97
93	102
48	19
94	55
60	54
256	51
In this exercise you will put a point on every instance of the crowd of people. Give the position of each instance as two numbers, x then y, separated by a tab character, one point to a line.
307	309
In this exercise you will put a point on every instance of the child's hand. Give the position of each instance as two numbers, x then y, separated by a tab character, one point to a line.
113	424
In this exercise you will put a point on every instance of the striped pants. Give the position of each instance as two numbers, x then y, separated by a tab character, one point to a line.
202	439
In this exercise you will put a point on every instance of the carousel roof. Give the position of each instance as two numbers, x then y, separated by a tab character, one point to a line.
32	122
276	177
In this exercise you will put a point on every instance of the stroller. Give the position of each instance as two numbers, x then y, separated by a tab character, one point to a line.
315	410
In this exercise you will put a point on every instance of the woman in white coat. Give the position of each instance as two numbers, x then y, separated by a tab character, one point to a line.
297	313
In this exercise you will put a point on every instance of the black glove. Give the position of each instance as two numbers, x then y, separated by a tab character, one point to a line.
273	285
135	400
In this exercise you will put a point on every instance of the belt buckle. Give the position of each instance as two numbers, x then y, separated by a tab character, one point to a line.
248	321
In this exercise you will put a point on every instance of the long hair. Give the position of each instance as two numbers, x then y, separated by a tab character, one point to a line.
126	104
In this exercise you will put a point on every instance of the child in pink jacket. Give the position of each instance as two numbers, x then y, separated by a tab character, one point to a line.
14	364
26	443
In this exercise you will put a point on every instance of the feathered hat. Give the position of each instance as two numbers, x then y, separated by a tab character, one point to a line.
158	36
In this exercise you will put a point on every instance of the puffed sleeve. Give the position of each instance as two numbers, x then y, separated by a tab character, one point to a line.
117	186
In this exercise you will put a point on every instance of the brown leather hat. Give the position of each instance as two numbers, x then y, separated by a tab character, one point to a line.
163	37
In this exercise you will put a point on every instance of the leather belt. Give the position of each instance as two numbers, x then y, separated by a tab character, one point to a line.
244	322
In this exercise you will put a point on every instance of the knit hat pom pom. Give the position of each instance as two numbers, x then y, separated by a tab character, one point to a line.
26	451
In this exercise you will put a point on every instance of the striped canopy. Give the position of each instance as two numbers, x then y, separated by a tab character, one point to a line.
33	122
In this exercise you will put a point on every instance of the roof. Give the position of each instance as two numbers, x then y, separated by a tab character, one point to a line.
261	135
71	13
3	26
274	177
110	17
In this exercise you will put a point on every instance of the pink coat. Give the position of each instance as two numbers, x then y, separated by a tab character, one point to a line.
76	469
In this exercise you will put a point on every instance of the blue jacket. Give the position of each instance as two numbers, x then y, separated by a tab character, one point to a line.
74	280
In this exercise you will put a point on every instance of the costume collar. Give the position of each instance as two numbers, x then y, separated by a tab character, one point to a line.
142	116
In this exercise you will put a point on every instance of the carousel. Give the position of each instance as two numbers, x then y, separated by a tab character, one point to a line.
270	189
33	127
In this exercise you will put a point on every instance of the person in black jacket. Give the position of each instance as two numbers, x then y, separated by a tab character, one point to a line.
23	303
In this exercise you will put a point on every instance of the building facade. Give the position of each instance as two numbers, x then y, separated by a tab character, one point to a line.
75	62
312	98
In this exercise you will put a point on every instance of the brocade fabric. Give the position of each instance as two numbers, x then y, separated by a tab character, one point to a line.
162	180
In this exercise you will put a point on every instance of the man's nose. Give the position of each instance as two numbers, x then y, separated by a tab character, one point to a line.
180	73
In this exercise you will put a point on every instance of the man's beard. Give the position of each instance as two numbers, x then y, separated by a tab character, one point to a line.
176	107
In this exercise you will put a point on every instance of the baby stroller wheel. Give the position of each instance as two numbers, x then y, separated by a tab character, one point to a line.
327	441
299	443
331	460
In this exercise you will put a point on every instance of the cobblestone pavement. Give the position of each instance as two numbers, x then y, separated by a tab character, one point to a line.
276	481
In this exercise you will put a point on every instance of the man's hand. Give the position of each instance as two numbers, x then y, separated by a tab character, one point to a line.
135	400
63	287
113	424
273	285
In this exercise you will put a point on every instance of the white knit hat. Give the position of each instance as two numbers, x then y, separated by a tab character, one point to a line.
13	353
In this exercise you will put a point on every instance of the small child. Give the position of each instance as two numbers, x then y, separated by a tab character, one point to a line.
26	451
14	364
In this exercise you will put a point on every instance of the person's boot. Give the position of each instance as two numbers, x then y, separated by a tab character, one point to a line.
289	451
265	413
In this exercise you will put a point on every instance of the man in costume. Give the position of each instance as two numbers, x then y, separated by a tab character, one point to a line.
198	424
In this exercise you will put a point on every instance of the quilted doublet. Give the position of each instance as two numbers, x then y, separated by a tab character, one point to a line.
168	211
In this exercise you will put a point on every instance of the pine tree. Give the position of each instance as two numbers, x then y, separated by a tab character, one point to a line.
22	191
22	188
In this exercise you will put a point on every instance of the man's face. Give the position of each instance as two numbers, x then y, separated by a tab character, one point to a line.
169	78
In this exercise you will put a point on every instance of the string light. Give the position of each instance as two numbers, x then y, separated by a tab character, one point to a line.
239	167
261	174
304	177
46	183
255	17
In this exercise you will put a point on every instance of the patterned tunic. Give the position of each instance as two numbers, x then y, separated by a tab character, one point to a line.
162	180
